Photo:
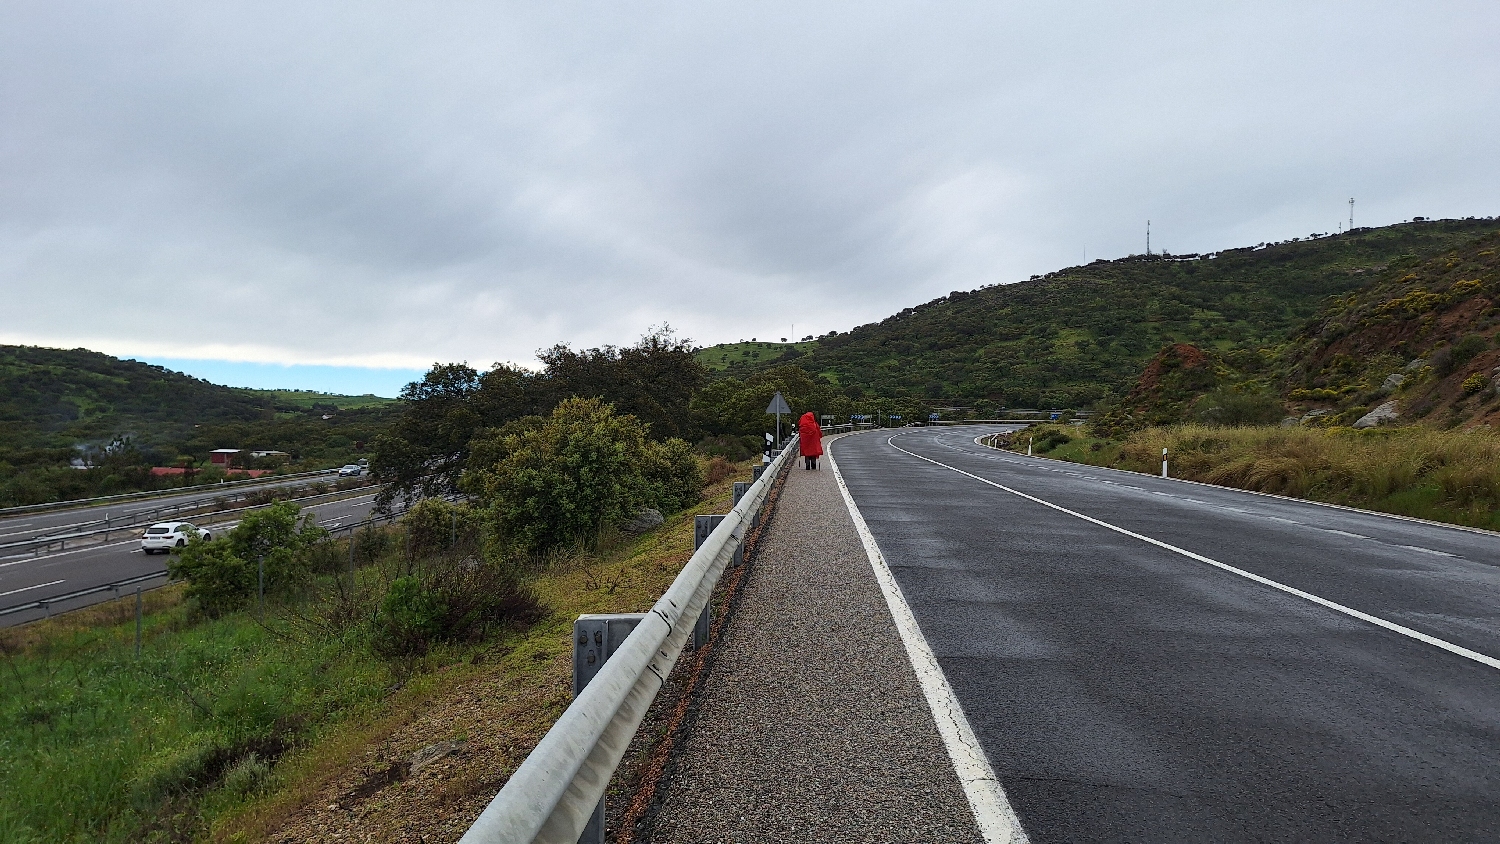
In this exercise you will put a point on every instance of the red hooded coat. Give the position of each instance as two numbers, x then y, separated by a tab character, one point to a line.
811	436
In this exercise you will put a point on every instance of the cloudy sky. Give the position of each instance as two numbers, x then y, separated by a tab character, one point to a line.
338	195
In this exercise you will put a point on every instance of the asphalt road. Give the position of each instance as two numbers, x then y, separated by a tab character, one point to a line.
1136	669
29	526
24	578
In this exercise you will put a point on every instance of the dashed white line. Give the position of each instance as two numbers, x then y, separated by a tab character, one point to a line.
1419	549
29	588
1419	636
1344	533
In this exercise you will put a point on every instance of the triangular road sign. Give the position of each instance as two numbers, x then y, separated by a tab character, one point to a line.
778	404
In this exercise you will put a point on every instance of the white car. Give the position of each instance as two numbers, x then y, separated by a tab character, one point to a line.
353	470
164	536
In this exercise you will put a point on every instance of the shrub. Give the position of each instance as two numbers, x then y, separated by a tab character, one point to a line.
1449	360
435	525
222	575
410	619
1230	408
673	478
562	481
449	598
1474	383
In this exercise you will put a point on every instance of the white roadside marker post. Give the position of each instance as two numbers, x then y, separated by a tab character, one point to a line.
1164	463
1028	445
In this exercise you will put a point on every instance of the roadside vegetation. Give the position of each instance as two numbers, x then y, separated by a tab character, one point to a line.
239	707
1446	476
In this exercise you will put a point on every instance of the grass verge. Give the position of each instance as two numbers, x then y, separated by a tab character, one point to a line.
1445	476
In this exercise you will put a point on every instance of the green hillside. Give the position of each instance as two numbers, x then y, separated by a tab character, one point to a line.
315	400
748	355
1081	334
58	406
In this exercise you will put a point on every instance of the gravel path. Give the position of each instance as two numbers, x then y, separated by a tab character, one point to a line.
812	727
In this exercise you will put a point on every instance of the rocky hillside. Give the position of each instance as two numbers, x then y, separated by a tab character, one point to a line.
1420	343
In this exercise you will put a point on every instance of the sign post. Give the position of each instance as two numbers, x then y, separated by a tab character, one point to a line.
778	406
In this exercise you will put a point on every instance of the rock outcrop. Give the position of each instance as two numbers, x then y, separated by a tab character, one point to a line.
1382	415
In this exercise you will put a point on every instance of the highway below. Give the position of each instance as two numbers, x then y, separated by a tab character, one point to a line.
25	578
26	526
1144	659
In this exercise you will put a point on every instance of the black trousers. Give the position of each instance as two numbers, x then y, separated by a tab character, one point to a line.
809	462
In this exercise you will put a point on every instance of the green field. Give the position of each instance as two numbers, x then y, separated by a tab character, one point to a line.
309	399
750	353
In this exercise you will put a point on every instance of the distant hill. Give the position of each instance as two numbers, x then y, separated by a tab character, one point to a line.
60	406
315	400
1082	334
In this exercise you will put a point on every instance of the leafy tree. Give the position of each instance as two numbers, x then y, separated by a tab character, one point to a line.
425	452
585	467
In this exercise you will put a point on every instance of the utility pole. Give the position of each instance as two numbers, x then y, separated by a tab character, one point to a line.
1351	213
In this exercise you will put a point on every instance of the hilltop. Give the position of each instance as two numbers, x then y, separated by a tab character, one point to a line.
1084	334
60	406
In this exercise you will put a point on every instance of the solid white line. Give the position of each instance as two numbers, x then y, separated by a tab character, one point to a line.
29	588
992	810
1264	581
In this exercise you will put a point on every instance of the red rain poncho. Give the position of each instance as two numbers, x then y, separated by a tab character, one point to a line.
811	436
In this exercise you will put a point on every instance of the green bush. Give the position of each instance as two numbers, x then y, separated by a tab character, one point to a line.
410	619
673	476
1230	408
1474	383
435	525
585	467
223	574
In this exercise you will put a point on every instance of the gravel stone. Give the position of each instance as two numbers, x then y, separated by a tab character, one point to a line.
812	726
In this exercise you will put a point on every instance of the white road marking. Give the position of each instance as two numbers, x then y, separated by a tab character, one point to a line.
1419	549
1344	533
29	588
992	810
1264	581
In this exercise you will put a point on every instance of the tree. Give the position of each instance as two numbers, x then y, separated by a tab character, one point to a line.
223	574
425	452
562	481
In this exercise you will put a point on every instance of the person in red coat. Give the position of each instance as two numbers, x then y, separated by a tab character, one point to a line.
810	441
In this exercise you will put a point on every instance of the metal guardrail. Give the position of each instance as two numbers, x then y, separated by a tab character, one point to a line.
152	493
551	797
46	603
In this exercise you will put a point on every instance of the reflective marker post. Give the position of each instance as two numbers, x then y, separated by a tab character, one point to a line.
1164	463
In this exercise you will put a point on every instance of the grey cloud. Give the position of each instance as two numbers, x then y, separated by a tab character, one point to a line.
396	184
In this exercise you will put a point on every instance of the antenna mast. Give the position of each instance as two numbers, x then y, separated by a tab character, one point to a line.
1148	237
1351	213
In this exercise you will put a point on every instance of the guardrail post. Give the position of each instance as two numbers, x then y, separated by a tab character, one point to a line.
702	527
595	639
